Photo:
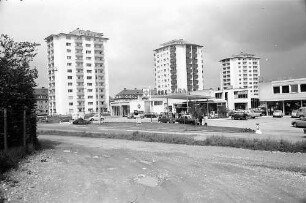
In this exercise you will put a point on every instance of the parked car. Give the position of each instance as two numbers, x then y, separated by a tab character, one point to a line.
166	119
301	112
252	114
240	115
133	116
80	121
278	113
299	123
150	115
186	119
294	114
65	120
95	118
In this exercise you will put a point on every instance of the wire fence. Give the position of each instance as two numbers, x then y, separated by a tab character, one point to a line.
17	128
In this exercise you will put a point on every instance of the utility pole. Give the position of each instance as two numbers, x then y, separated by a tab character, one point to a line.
99	110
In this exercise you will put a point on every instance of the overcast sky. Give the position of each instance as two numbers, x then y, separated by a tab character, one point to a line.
274	30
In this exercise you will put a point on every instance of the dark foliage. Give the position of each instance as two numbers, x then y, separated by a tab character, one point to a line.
17	82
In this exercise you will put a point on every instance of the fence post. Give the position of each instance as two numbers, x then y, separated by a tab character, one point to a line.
24	129
5	130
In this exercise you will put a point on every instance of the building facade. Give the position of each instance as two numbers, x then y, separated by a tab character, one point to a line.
77	73
128	100
178	67
285	95
42	103
241	71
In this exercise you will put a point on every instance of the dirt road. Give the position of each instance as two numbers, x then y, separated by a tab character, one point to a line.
75	169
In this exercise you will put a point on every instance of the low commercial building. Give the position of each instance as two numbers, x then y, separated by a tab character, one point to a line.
285	95
237	98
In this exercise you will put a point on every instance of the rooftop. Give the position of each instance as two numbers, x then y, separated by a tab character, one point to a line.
79	32
177	42
240	55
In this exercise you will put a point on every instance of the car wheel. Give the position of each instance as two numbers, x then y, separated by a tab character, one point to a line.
301	116
294	125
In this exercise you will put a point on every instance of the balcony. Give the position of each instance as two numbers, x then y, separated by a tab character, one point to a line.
173	77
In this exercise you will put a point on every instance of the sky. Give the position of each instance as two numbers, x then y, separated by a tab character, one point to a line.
273	30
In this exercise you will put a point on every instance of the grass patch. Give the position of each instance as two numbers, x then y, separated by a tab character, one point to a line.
253	144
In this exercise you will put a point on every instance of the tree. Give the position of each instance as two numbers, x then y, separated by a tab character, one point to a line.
17	79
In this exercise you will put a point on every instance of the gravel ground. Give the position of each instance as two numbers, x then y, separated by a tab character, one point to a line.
75	169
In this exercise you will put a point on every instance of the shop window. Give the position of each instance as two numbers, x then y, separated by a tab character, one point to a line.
303	87
285	89
294	88
276	90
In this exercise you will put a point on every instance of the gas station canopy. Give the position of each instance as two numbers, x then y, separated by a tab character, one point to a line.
186	96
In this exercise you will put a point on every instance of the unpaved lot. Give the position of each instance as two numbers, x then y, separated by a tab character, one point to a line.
75	169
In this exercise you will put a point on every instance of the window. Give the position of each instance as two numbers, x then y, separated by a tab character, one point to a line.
88	58
69	83
69	77
89	90
69	70
68	57
218	95
276	90
90	103
285	89
70	103
90	97
303	87
89	84
89	71
158	103
88	45
68	37
70	97
68	50
69	90
294	88
88	52
87	38
241	94
88	64
68	44
89	77
69	64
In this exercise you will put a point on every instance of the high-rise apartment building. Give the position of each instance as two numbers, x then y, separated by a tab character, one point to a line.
178	67
77	72
241	71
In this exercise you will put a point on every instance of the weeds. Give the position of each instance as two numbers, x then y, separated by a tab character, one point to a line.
253	144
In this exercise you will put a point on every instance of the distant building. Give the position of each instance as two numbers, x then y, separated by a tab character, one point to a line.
77	72
178	67
285	95
240	80
42	104
241	71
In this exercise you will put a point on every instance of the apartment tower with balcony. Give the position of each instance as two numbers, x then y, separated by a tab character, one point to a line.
77	73
178	67
241	71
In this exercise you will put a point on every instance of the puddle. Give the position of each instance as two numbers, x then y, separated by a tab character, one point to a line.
95	157
147	181
67	151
